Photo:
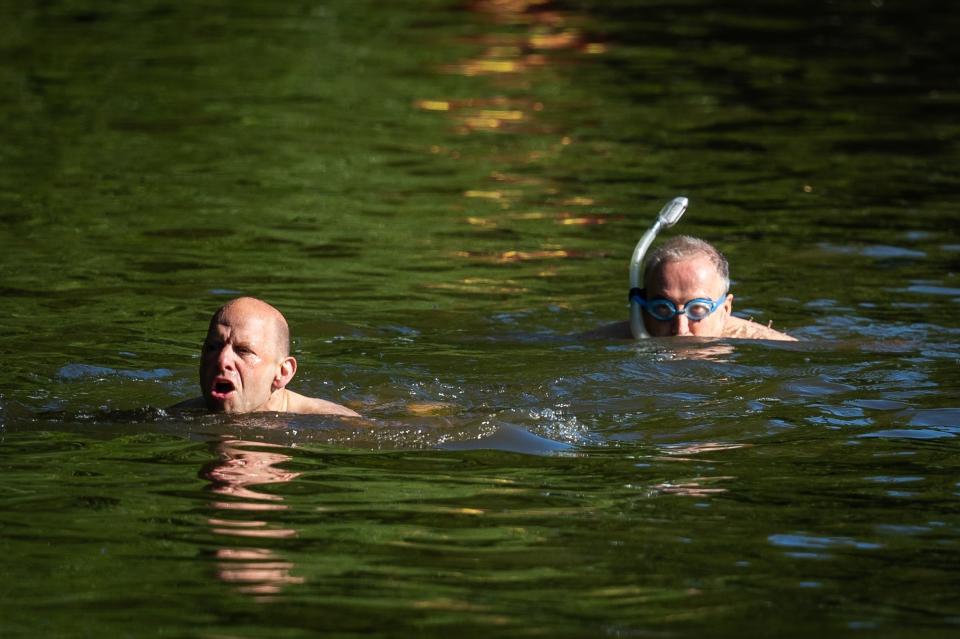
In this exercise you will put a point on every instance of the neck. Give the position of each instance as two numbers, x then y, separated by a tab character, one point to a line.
279	401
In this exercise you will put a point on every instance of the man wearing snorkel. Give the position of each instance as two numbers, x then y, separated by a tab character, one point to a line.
686	293
245	365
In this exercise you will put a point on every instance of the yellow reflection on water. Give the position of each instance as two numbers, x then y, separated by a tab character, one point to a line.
527	256
482	221
496	117
538	35
480	285
433	105
486	67
563	217
583	220
489	195
578	201
489	113
514	256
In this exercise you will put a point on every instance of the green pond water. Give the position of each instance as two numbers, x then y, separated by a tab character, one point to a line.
443	197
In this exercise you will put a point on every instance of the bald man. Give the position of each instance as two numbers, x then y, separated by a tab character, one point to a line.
686	293
245	364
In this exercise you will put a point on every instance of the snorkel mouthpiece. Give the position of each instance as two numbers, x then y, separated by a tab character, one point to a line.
669	215
672	211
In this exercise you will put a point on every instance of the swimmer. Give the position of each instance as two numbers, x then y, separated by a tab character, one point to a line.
245	365
686	293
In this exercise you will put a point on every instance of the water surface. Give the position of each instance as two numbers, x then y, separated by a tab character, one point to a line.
442	198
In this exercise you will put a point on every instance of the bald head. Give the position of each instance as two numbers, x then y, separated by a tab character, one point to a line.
245	364
251	309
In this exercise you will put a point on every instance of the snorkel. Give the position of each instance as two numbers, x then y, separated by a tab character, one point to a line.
669	215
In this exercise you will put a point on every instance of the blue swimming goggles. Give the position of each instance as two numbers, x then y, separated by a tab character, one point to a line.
664	310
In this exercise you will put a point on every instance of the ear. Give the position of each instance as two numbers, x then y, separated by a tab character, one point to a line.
286	369
728	305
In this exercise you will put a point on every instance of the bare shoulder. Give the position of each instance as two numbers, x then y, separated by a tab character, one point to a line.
195	403
740	328
297	403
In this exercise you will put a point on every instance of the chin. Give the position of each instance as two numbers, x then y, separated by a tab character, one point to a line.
715	330
231	409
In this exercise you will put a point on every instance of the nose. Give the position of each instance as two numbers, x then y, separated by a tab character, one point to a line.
681	325
225	358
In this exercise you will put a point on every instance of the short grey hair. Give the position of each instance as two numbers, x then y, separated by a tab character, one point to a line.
684	247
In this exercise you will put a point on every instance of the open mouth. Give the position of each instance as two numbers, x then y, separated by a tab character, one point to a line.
222	388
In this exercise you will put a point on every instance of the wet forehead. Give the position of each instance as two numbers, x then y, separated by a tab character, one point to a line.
234	326
683	280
